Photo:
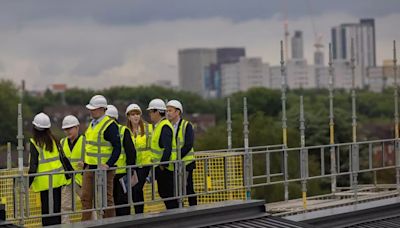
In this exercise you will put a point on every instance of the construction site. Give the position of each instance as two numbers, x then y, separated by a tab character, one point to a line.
225	179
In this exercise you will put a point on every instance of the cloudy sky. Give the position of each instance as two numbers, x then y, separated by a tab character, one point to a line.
99	43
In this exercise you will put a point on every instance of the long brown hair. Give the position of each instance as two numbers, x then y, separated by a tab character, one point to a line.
130	125
44	138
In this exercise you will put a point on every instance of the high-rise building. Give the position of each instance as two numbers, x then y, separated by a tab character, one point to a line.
193	64
212	80
230	54
230	79
300	74
275	77
322	77
343	77
243	75
297	45
200	68
224	56
319	58
376	81
388	73
363	36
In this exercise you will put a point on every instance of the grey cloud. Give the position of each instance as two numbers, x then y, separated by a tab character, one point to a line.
93	66
121	12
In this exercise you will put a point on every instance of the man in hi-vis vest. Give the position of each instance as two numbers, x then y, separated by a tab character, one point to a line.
162	142
102	150
184	136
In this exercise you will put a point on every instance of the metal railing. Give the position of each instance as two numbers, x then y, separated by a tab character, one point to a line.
352	159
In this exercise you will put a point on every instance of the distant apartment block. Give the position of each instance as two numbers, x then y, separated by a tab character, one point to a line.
363	36
243	75
297	45
376	79
200	68
192	68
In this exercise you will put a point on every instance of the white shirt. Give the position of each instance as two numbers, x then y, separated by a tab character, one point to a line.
176	125
96	121
155	125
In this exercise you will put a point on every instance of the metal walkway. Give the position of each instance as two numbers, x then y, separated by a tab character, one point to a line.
380	213
244	213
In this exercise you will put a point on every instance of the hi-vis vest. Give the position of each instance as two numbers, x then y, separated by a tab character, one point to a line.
121	162
144	156
97	148
49	161
156	151
76	155
180	138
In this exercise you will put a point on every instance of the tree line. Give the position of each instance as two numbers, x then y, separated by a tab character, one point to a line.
375	114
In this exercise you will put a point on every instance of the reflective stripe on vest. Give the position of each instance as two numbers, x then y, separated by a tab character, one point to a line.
189	157
121	162
142	146
76	155
49	162
98	150
156	151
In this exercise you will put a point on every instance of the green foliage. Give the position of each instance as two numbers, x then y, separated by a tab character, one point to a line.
8	108
374	112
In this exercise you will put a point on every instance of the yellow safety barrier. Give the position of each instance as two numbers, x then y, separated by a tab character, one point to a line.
215	180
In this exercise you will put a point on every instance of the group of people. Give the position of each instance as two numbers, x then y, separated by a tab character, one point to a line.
110	146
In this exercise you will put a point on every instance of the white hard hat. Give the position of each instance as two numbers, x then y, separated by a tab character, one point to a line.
69	121
112	111
133	107
41	121
157	104
176	104
97	101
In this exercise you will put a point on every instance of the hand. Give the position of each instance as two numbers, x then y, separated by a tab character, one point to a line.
80	164
162	168
104	166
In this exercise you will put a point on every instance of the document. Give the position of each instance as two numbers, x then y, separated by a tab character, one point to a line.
124	181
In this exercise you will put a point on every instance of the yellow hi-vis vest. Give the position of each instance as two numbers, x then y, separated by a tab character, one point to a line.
97	148
144	156
76	155
49	161
181	141
156	151
121	162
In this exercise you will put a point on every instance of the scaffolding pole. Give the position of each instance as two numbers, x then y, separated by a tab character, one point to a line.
248	172
284	123
332	123
303	155
229	123
354	148
20	149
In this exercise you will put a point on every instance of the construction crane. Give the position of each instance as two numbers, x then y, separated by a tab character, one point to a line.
286	29
318	43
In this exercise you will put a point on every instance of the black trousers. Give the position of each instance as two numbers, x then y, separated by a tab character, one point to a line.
190	188
44	198
120	197
165	182
137	192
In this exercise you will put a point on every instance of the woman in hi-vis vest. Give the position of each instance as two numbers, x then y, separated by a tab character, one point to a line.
141	137
45	158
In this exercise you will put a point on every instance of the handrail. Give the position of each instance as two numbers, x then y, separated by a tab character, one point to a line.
253	181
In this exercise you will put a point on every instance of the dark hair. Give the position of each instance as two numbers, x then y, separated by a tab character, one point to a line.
44	138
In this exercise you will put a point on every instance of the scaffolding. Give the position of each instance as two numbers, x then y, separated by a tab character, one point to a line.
210	171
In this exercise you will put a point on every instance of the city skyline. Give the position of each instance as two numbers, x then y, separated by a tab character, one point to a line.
136	42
